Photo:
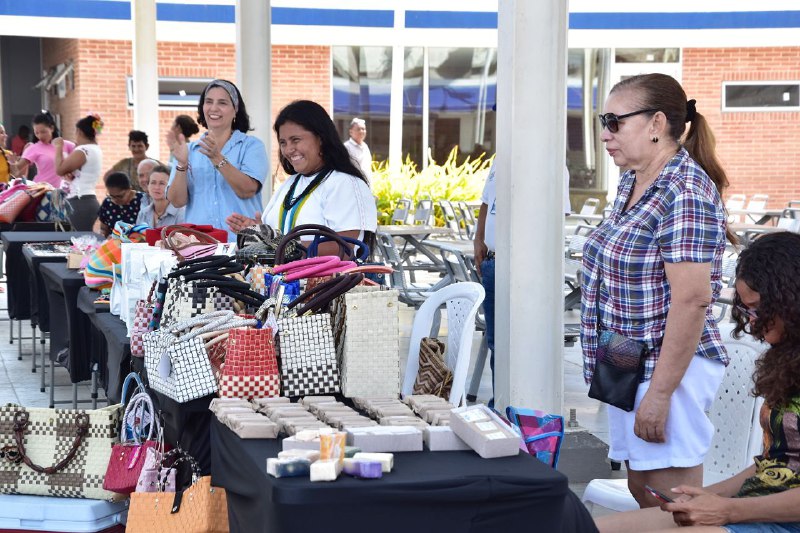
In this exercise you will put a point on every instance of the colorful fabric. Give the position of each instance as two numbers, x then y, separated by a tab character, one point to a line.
679	218
111	213
99	272
777	468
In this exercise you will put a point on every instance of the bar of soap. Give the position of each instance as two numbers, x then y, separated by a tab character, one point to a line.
310	455
331	445
326	470
363	469
385	459
350	451
289	467
309	400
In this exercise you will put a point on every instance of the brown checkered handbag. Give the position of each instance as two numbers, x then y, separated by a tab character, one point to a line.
57	452
433	377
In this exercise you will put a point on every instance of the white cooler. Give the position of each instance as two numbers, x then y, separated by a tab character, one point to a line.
64	515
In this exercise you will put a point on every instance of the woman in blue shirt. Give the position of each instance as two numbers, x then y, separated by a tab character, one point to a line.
223	171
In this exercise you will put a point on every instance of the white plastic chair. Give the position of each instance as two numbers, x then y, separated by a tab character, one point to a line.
732	449
462	301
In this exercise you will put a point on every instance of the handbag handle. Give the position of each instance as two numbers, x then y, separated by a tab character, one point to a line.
306	230
204	319
139	405
21	419
167	233
133	376
218	273
363	249
324	293
234	322
370	269
190	266
236	290
306	268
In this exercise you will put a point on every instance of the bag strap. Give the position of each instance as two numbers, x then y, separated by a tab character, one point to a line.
363	249
133	376
323	294
190	266
204	319
21	419
371	269
167	232
136	408
237	322
307	230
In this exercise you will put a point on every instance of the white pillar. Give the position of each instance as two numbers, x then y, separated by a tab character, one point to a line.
396	101
254	72
145	73
531	121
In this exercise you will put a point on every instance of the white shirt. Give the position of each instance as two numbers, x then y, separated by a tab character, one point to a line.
342	202
489	197
361	156
87	176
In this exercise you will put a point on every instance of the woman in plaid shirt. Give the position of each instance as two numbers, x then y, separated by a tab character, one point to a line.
651	272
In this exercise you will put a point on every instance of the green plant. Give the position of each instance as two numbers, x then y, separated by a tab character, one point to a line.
446	181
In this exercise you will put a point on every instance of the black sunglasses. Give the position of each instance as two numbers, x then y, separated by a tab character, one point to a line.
611	121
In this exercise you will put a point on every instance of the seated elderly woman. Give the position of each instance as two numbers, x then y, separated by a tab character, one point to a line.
121	203
159	212
765	497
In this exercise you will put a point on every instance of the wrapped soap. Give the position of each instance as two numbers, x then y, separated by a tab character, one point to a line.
386	438
291	443
350	451
385	459
484	431
443	439
289	467
255	429
363	469
309	400
326	470
430	415
291	427
309	455
277	400
331	446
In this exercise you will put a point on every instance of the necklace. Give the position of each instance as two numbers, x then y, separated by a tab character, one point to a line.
289	201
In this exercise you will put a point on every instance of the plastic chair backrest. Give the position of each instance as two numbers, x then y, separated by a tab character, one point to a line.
400	214
735	201
462	301
450	219
391	255
590	206
789	224
758	202
423	212
734	408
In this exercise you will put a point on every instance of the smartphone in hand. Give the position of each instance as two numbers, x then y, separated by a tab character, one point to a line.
658	494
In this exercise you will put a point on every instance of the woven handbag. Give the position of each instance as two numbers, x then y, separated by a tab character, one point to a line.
57	452
128	457
178	364
142	322
251	365
433	377
200	508
12	207
366	331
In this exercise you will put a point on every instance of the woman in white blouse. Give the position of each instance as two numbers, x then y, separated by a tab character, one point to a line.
82	168
325	186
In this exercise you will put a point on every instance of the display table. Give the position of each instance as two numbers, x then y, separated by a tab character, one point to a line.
39	307
70	330
17	273
114	356
426	492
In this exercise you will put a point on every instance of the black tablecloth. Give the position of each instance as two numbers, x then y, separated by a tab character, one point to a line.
72	328
426	491
17	271
39	306
114	356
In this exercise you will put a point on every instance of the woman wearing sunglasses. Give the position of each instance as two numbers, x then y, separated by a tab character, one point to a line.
651	272
765	497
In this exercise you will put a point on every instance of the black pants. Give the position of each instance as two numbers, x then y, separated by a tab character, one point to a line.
83	212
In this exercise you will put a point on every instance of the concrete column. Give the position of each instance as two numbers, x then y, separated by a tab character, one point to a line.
254	71
531	125
145	73
396	103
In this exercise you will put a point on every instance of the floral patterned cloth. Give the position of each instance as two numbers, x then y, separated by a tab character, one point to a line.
778	468
111	213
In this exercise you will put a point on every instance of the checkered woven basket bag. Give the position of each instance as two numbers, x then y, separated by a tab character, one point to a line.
251	365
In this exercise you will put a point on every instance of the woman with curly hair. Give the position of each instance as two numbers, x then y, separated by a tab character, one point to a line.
765	497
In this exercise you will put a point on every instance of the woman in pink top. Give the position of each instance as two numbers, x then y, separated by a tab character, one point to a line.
42	153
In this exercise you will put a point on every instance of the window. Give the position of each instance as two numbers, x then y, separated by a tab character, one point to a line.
761	96
647	55
175	92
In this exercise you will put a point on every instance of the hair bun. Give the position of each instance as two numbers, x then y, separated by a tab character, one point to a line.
691	110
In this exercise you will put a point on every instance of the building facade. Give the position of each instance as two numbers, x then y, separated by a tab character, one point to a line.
742	67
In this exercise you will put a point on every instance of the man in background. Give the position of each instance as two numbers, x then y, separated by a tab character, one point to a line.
359	151
143	177
138	145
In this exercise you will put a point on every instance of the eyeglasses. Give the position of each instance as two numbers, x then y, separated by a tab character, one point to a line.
749	312
611	121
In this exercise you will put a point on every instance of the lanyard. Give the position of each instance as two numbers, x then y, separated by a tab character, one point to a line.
291	206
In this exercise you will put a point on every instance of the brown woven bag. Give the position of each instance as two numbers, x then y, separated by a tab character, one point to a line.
433	376
203	509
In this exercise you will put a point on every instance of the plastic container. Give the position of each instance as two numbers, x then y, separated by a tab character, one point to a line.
20	512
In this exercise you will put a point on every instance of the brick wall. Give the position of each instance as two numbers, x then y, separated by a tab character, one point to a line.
759	150
102	67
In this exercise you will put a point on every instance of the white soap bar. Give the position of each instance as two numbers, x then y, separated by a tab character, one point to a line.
385	459
307	435
326	470
309	400
309	455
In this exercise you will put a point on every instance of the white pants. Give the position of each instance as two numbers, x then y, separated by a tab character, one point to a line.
688	431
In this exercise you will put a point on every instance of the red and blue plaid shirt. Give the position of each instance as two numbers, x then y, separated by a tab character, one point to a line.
679	218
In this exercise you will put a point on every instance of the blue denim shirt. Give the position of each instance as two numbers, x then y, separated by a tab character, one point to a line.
211	198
